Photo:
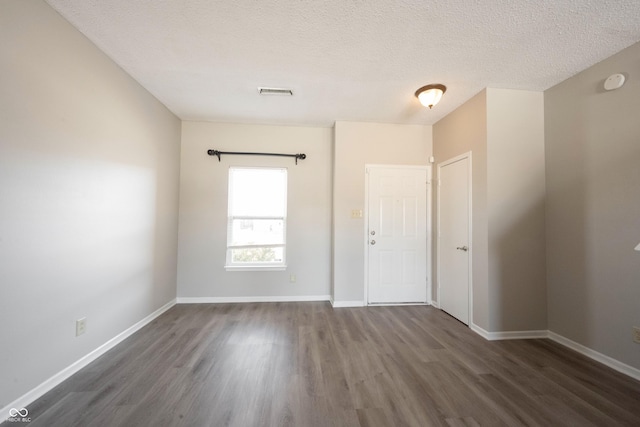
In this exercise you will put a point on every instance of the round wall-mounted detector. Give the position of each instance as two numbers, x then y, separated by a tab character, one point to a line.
614	81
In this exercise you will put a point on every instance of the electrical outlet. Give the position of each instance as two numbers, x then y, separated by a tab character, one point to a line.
636	334
292	278
81	326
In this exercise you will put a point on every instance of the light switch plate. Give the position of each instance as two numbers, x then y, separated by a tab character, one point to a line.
356	213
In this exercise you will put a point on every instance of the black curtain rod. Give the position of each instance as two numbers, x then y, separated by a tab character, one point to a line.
242	153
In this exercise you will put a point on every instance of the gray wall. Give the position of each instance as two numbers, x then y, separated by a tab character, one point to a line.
504	131
203	210
593	207
465	130
88	193
516	215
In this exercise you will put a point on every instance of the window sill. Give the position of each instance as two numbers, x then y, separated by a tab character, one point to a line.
255	267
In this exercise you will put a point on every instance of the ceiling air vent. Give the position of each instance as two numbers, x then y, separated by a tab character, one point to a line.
275	91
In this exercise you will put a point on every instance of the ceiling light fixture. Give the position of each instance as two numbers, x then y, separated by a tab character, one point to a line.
430	95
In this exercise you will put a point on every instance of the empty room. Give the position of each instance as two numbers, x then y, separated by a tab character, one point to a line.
337	213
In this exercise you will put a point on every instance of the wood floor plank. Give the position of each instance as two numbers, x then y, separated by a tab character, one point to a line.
307	364
597	405
373	417
462	422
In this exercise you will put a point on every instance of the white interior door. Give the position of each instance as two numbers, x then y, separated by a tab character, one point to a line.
397	234
454	251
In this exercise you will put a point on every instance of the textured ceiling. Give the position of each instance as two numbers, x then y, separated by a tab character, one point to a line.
358	60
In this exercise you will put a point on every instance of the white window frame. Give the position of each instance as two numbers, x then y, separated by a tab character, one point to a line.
255	266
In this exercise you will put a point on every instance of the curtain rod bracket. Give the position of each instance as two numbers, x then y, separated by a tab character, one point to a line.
218	154
214	153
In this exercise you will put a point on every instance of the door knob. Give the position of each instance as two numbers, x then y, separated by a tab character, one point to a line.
463	248
373	233
373	242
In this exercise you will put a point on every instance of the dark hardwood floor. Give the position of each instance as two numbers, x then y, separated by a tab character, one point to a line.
307	364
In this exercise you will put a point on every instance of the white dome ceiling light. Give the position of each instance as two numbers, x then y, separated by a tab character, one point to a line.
430	95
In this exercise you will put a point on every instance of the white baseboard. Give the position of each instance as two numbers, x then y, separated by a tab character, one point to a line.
340	304
590	353
225	300
34	394
598	357
508	335
396	304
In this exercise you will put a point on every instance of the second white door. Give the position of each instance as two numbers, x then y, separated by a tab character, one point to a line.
397	234
453	237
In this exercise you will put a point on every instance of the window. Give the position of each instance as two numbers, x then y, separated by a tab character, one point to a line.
257	218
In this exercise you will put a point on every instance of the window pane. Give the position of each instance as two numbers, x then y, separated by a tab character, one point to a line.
257	232
257	192
257	218
257	255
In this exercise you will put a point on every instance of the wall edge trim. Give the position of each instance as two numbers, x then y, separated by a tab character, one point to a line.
344	304
229	300
508	335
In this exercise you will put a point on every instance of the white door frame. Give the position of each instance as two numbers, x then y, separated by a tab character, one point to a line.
428	168
468	156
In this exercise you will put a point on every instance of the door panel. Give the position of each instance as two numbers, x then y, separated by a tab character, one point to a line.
453	249
397	235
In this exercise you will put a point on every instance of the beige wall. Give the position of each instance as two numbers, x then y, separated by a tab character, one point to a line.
462	131
358	144
593	207
89	196
203	210
515	202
